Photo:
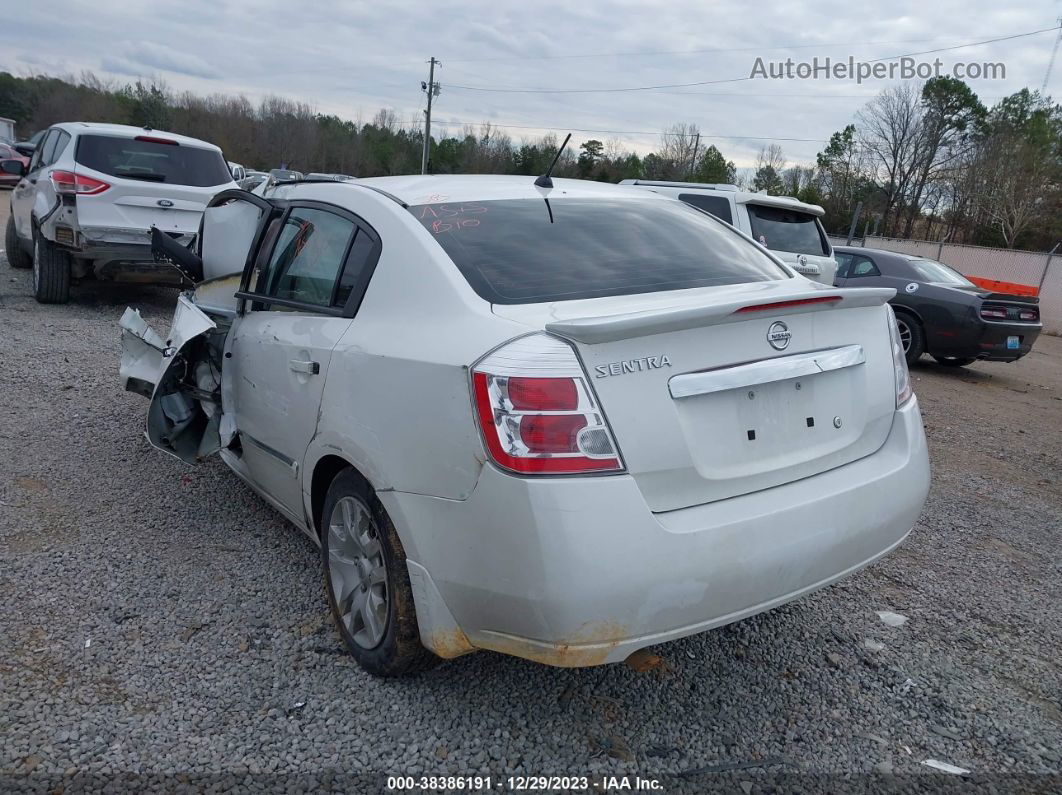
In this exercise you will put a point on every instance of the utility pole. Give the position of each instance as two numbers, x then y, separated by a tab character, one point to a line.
696	145
1051	63
431	88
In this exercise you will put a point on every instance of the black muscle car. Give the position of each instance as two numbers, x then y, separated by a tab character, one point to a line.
940	311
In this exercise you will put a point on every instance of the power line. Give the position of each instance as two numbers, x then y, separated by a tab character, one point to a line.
639	53
509	90
619	132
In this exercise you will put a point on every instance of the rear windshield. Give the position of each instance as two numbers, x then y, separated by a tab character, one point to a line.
933	271
173	164
521	251
782	229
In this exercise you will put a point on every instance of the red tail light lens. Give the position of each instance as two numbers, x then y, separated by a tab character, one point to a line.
153	140
1029	315
822	299
543	394
547	422
993	312
68	183
552	433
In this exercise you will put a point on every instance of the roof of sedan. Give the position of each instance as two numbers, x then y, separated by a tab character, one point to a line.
421	189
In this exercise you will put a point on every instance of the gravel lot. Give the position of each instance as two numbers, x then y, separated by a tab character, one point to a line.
160	624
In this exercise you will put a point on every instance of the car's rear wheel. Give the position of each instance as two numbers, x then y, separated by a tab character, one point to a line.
16	255
912	337
51	272
954	361
367	582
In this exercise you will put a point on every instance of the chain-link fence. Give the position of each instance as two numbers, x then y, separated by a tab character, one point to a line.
1030	268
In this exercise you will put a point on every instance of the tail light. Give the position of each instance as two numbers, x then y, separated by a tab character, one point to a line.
1029	315
899	362
994	312
68	183
537	412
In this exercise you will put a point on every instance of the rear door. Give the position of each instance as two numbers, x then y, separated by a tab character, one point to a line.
154	181
299	301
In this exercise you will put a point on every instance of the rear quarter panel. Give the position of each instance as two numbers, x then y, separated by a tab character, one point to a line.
396	403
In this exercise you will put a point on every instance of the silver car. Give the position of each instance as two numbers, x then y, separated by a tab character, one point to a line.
561	423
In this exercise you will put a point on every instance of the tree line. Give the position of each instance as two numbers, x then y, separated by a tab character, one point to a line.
923	160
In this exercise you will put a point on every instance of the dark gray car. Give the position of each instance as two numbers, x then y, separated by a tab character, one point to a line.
940	311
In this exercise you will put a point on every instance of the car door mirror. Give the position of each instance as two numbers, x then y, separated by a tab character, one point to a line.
16	167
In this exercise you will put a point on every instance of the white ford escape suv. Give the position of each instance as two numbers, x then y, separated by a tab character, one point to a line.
788	227
91	194
561	423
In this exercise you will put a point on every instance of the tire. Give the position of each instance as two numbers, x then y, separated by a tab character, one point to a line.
912	337
373	610
51	272
16	255
954	361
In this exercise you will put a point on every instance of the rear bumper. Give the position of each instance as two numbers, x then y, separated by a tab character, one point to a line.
578	571
123	255
988	341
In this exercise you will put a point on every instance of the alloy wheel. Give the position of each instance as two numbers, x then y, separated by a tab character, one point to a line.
358	572
905	334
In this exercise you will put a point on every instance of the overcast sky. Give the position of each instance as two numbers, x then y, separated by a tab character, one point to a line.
353	58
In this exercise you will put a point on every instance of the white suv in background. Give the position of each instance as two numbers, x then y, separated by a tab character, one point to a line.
88	199
788	227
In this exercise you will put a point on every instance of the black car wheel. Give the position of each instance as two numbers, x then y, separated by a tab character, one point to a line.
912	337
51	272
367	582
954	361
16	255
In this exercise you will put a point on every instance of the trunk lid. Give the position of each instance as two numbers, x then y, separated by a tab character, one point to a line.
704	406
135	205
155	180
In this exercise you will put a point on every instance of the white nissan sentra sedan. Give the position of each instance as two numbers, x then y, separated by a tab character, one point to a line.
561	423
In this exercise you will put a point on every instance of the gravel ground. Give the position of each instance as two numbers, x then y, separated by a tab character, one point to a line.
161	626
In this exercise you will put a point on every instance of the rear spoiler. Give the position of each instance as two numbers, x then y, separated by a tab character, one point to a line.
608	328
1010	298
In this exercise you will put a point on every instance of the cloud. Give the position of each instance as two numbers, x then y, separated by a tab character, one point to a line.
352	58
158	57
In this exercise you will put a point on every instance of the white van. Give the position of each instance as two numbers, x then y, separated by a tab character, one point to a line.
788	227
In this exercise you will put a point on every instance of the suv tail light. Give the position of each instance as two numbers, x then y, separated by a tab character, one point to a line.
537	412
899	362
67	183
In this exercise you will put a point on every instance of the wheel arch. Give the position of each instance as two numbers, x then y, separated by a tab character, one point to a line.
324	472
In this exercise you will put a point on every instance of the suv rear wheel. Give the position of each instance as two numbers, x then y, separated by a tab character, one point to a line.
16	255
367	582
51	272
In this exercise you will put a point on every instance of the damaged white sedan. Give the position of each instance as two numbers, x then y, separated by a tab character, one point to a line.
560	422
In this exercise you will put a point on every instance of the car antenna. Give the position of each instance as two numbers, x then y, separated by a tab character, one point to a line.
544	181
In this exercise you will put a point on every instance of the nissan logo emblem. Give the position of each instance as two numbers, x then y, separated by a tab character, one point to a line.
165	203
778	335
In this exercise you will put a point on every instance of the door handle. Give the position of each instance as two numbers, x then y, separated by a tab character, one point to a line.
310	368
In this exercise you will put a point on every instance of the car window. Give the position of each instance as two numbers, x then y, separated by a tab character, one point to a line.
862	266
153	160
358	267
57	149
719	206
519	251
38	154
933	271
844	262
782	229
309	254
